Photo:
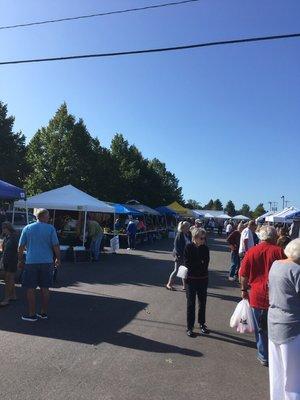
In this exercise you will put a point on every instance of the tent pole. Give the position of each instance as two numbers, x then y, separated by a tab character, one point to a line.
13	215
53	217
84	228
114	224
27	219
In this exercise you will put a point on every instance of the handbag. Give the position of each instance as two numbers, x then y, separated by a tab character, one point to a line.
242	318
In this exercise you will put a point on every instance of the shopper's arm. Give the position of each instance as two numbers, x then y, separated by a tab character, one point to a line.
56	250
21	250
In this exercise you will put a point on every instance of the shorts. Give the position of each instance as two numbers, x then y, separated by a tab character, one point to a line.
37	275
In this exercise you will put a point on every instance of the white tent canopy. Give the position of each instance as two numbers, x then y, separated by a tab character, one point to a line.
282	216
241	217
223	216
262	217
65	198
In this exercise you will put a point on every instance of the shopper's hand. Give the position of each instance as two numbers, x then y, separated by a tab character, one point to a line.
245	294
57	263
20	264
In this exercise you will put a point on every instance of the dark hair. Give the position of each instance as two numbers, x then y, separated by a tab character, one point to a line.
8	225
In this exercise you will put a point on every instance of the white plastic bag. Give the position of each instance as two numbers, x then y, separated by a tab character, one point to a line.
182	272
242	318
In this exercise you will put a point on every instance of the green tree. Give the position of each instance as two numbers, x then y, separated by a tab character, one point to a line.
217	205
230	208
13	166
62	153
259	210
192	204
209	205
245	210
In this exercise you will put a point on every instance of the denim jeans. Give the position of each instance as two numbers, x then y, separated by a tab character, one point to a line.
131	241
95	246
260	336
235	264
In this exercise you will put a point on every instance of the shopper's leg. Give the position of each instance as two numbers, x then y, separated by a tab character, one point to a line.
260	336
31	301
290	352
191	301
233	265
202	296
276	372
173	274
45	294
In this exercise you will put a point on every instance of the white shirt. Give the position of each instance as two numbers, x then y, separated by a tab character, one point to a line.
228	228
246	234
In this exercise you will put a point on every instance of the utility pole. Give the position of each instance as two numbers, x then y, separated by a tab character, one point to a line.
282	197
270	205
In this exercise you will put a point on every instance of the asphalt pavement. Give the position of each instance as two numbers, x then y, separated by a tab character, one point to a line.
116	333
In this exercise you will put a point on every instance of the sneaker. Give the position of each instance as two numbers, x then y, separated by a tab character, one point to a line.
231	279
190	333
30	318
265	363
42	316
204	330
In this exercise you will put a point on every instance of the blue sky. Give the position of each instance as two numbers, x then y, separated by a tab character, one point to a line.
225	119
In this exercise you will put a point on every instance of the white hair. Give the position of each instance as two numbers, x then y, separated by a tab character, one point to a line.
198	232
267	233
183	224
292	250
41	212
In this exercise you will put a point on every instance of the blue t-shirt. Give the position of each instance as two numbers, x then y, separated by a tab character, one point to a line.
39	239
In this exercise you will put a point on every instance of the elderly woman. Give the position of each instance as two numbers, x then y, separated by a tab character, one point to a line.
182	238
284	325
196	260
10	261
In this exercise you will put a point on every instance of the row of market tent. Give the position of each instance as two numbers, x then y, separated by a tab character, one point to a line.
285	216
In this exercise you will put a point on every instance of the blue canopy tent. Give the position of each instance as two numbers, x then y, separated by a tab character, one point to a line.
165	211
122	209
11	192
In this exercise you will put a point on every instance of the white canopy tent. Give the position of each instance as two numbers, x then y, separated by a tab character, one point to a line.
241	218
282	216
66	198
263	217
224	216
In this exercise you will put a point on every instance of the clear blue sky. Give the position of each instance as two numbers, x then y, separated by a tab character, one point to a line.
225	119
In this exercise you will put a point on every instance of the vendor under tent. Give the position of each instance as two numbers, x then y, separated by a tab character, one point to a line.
282	216
179	209
11	192
67	198
241	218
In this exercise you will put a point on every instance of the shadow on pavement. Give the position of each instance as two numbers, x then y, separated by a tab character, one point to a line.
87	319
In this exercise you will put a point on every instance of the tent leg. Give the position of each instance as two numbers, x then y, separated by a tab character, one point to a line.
114	224
13	215
53	218
27	219
84	228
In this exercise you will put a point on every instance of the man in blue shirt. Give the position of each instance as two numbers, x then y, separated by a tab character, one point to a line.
131	233
41	244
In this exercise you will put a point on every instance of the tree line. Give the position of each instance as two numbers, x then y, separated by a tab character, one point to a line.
64	152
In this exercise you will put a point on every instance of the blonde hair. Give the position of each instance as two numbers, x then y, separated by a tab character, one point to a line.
292	250
41	212
198	232
183	224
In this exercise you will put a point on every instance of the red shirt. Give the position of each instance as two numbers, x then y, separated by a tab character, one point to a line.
255	266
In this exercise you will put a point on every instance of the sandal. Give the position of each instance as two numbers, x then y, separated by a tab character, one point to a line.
170	288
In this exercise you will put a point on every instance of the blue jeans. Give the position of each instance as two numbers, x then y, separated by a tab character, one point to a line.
95	246
131	241
235	264
260	336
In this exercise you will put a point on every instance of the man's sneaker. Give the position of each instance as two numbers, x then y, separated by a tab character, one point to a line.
42	316
265	363
190	333
204	330
231	279
30	318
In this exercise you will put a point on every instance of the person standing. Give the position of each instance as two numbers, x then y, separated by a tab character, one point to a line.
96	236
254	274
234	243
183	237
10	261
283	239
284	325
228	228
42	246
247	239
196	260
131	233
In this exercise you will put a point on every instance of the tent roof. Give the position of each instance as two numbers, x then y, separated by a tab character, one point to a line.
122	209
179	209
145	209
11	192
165	210
283	215
223	216
241	217
66	198
263	216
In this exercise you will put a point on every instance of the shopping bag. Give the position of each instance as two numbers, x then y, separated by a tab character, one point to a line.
182	272
242	318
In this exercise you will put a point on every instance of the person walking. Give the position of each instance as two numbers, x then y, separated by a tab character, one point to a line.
42	246
9	261
196	260
96	235
283	239
234	243
247	239
131	233
254	274
183	237
284	325
228	228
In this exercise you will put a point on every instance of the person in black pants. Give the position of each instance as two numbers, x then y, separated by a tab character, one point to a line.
196	259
